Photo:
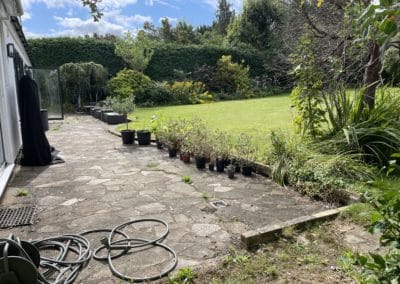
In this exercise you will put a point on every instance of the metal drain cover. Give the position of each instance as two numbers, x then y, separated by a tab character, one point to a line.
11	217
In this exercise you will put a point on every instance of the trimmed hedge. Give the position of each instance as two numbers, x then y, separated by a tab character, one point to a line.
52	52
167	58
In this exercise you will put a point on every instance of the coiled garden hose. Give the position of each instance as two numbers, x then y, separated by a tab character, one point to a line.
20	261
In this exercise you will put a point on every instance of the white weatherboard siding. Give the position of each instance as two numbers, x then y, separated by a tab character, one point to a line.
9	116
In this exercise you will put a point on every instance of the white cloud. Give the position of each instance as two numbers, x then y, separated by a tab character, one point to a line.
134	20
70	12
170	19
236	4
79	27
113	22
51	3
26	16
109	4
115	4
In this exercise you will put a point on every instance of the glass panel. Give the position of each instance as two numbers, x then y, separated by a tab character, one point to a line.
49	91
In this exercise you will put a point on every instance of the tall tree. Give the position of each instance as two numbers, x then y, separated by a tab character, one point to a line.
224	16
184	33
256	24
136	51
166	30
380	25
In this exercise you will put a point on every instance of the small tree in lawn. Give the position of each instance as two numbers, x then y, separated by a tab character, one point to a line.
123	106
135	51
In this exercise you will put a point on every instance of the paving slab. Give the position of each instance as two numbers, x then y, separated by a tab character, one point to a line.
104	183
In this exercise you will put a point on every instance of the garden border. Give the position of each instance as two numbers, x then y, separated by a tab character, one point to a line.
253	238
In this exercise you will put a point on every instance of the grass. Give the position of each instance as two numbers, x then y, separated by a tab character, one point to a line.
360	213
364	213
22	193
183	276
312	256
187	179
255	117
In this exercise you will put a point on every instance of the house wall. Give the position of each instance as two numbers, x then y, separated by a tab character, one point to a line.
9	115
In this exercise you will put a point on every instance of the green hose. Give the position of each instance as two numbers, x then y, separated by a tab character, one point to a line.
75	252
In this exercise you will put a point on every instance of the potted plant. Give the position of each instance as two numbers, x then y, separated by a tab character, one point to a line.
172	136
201	146
157	127
231	171
221	149
245	153
143	136
185	150
124	106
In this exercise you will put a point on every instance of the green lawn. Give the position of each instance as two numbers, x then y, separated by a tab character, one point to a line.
255	117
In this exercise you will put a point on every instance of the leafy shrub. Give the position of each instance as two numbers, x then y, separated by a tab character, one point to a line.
129	82
320	176
307	95
232	78
376	268
391	67
324	177
87	79
373	133
282	155
205	74
157	94
188	92
122	105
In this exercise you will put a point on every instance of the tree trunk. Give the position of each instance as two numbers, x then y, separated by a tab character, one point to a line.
371	75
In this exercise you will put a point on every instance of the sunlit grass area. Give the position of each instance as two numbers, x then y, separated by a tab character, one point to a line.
255	117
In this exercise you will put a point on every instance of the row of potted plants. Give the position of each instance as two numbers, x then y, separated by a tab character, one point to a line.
193	139
125	106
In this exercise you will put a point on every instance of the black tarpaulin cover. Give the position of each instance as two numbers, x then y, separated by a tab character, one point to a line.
36	148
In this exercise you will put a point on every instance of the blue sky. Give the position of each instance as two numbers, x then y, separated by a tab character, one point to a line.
49	18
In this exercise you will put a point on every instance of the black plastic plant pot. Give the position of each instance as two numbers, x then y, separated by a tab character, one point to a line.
200	162
144	137
159	144
220	165
227	162
237	169
247	170
128	137
172	152
231	173
211	167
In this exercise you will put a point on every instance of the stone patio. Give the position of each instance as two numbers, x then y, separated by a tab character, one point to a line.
103	183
